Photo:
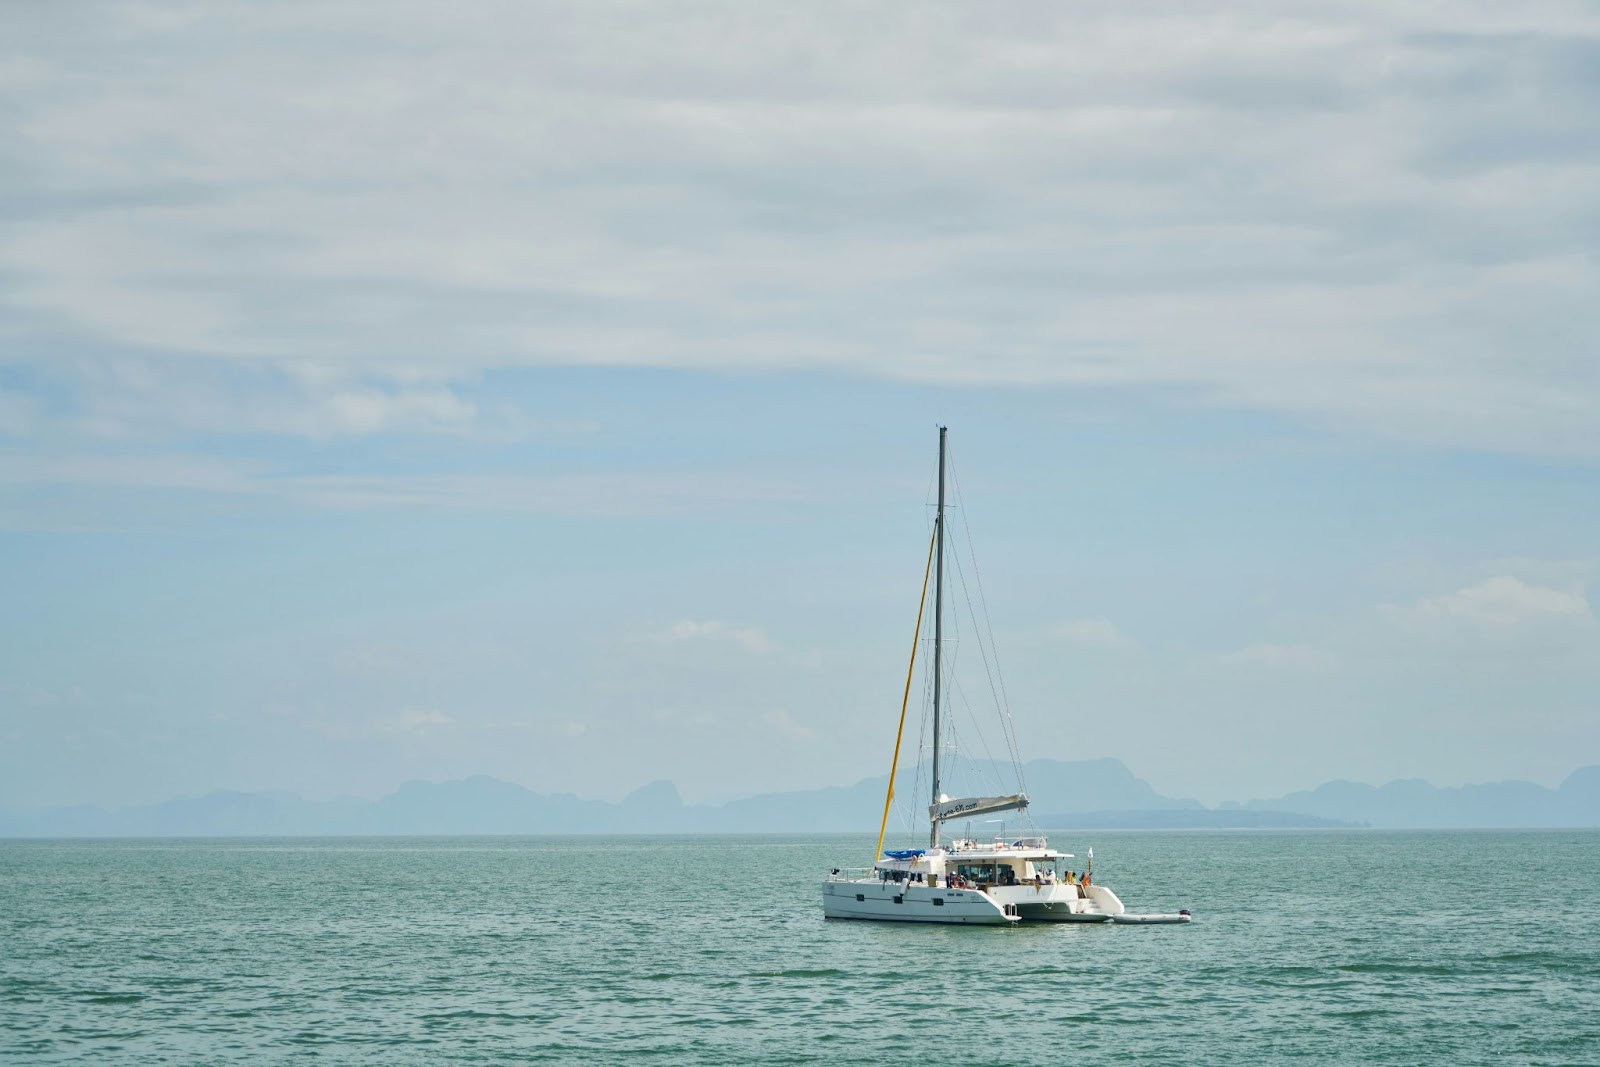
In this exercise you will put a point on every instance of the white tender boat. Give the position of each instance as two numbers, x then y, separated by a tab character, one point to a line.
996	883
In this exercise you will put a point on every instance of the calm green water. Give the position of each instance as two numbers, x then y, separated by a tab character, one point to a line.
1336	947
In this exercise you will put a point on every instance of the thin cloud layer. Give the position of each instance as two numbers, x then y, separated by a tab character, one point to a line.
1495	604
1374	215
615	494
749	638
1098	632
334	328
1284	657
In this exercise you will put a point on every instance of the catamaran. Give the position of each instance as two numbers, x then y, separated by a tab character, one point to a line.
965	881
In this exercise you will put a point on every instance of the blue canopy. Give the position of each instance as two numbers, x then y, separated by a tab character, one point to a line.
905	854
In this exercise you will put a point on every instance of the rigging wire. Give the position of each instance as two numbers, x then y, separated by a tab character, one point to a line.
968	776
1011	747
984	774
1001	698
959	768
910	810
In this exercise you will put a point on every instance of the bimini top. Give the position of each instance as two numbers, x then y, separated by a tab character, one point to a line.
905	853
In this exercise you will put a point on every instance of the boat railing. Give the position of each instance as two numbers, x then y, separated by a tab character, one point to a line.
851	874
999	844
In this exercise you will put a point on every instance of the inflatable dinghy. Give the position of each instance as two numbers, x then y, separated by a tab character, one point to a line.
1152	920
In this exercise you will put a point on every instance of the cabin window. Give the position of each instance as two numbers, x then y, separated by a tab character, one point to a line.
899	899
938	902
861	897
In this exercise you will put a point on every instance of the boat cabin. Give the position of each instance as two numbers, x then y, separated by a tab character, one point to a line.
968	863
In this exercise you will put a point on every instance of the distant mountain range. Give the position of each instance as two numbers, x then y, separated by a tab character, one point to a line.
1087	794
1411	802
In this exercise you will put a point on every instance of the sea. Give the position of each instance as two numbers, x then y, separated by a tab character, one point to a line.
1307	947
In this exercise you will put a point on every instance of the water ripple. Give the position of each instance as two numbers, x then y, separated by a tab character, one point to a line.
1347	947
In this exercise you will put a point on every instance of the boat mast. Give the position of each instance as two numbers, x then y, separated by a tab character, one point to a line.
938	633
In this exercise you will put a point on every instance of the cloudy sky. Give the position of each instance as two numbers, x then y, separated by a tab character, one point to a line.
549	391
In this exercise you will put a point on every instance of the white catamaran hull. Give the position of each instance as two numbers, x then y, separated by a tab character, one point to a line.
915	903
1060	903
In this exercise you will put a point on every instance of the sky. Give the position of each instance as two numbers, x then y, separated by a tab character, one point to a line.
549	391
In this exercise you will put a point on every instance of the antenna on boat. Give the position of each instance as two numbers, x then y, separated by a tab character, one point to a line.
938	631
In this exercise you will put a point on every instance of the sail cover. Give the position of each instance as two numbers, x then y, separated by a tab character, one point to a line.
962	807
